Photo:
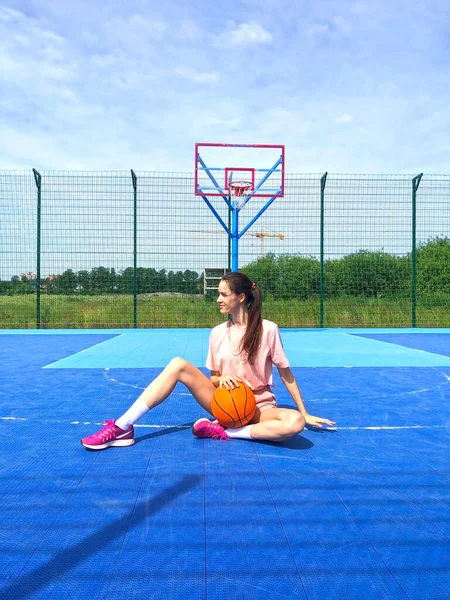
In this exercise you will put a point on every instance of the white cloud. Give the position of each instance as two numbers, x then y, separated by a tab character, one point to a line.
8	15
341	24
277	120
152	27
196	76
330	27
189	30
343	119
28	50
36	146
105	83
317	29
246	34
359	7
103	61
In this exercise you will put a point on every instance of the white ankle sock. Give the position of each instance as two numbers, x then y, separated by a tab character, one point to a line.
242	433
133	414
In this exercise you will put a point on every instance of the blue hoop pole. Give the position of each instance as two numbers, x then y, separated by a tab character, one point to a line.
235	240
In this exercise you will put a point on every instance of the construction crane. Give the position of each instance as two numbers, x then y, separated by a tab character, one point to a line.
263	234
259	234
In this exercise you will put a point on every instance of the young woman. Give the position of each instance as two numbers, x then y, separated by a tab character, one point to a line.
244	348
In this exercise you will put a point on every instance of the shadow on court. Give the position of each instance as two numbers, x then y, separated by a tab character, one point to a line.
296	443
27	585
324	429
156	434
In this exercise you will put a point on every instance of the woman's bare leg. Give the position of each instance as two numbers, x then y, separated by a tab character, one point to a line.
121	431
276	424
179	370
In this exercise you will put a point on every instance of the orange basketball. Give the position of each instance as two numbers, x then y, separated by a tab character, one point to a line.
233	408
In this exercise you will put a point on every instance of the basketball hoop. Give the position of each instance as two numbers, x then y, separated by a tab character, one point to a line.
240	189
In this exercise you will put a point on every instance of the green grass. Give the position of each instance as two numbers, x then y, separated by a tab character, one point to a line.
178	311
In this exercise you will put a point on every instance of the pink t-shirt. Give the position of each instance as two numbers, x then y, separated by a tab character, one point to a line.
224	357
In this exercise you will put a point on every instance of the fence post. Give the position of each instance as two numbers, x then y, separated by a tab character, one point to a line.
37	179
134	180
415	187
323	181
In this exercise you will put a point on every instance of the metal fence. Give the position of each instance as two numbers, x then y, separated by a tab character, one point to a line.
130	249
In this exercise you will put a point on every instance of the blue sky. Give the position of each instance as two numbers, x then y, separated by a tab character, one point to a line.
347	86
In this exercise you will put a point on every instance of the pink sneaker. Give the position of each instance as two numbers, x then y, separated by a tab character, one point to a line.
204	428
110	435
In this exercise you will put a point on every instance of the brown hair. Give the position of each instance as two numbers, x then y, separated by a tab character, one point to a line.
241	284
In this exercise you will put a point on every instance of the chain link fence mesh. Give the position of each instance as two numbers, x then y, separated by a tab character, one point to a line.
121	249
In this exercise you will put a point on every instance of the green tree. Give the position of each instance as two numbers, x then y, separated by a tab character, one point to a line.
265	272
103	280
433	267
286	276
66	283
84	282
368	274
299	277
193	283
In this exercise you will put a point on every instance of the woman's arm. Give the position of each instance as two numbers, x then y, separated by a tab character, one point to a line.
228	381
287	377
214	377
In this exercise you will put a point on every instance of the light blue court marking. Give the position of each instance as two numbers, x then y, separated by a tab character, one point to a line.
339	349
154	348
151	348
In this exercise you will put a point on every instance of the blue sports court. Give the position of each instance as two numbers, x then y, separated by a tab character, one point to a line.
362	511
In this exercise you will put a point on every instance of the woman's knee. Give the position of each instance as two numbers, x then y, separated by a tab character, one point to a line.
183	370
178	365
295	424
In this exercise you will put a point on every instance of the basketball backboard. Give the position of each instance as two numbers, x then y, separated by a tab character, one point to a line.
261	165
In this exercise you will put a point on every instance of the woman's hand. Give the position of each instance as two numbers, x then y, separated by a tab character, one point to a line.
228	381
318	421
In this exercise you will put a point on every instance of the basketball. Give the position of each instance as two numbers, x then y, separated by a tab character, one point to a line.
233	408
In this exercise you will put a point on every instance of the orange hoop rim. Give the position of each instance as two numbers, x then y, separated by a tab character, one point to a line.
239	188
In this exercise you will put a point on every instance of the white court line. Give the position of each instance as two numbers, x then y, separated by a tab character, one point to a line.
389	427
136	387
56	421
131	385
321	400
154	426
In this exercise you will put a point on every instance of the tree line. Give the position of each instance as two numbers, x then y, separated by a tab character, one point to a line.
363	273
102	280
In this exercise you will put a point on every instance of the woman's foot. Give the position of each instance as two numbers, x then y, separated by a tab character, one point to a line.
110	435
204	428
